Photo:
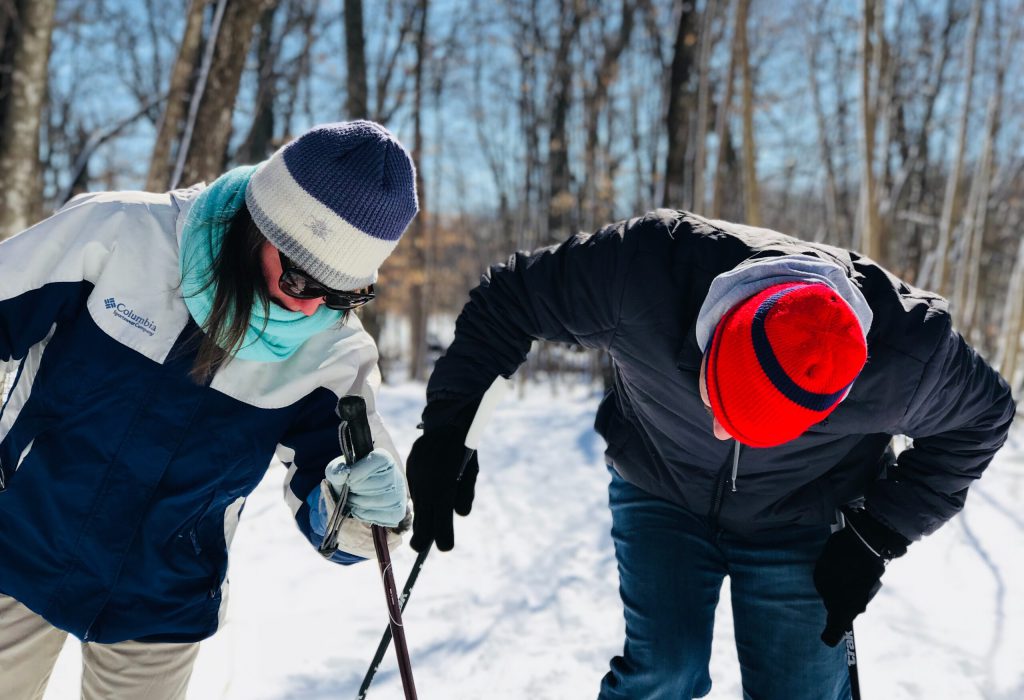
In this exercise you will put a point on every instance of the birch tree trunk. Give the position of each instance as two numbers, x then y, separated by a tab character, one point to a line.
751	194
168	136
22	114
949	204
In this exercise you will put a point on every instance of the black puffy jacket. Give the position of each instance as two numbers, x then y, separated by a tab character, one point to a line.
635	288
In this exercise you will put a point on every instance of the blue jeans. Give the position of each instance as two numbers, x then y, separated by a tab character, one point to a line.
671	567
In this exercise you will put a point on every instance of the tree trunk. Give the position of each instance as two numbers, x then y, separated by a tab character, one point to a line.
968	272
560	202
680	109
832	224
206	156
597	197
357	107
356	96
949	205
258	143
418	244
723	137
22	114
870	242
161	164
1013	321
703	102
751	194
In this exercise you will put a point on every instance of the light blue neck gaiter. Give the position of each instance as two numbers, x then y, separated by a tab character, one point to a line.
272	336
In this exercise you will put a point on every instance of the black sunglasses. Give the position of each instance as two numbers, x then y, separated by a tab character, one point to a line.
297	283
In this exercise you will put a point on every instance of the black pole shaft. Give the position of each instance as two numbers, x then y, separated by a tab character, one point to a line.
380	543
851	664
385	640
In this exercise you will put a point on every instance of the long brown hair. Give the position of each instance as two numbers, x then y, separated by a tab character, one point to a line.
237	278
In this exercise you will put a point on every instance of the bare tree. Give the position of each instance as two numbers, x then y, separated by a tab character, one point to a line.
751	192
595	193
871	38
680	108
707	40
172	122
28	35
417	242
725	155
950	202
825	146
968	272
356	96
1013	319
560	201
258	143
206	152
357	107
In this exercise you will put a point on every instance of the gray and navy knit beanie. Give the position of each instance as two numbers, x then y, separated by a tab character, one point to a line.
336	200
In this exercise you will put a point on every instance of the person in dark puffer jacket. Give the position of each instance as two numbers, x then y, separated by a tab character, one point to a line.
758	382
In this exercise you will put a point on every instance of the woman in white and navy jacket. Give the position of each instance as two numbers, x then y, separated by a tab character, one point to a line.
166	346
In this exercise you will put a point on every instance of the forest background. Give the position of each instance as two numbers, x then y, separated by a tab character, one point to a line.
893	127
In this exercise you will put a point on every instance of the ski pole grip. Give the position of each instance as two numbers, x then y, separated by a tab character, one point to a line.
356	438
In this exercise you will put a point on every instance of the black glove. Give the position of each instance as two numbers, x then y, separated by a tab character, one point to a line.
432	471
849	571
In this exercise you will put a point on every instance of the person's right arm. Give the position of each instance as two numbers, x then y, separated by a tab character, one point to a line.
573	293
570	293
47	273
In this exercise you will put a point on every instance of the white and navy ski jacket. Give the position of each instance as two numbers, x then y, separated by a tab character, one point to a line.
121	480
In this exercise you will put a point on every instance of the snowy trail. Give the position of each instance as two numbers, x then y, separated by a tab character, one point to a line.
526	606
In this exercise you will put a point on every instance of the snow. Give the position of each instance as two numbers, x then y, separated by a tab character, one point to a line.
526	606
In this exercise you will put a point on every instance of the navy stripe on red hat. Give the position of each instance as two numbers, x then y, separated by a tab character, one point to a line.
773	369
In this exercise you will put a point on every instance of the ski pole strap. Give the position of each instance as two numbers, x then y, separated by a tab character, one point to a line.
356	442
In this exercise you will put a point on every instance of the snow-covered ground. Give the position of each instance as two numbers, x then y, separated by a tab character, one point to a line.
526	606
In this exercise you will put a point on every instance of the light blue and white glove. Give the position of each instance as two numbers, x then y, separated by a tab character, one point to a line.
377	493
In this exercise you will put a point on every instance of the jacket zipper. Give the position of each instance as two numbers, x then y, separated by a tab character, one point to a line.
722	479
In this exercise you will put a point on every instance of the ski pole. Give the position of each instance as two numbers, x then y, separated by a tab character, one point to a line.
385	639
380	543
357	443
851	664
490	399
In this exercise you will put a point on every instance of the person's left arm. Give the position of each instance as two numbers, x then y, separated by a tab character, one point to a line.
958	418
312	443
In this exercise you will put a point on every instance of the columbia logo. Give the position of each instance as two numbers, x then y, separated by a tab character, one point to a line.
129	316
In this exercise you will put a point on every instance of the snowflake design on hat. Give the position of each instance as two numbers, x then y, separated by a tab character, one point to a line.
318	227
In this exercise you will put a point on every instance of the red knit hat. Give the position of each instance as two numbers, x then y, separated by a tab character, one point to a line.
781	361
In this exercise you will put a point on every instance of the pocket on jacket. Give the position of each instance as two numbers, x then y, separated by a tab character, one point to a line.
209	535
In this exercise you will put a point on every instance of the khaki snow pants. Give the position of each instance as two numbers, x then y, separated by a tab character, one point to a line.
29	646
